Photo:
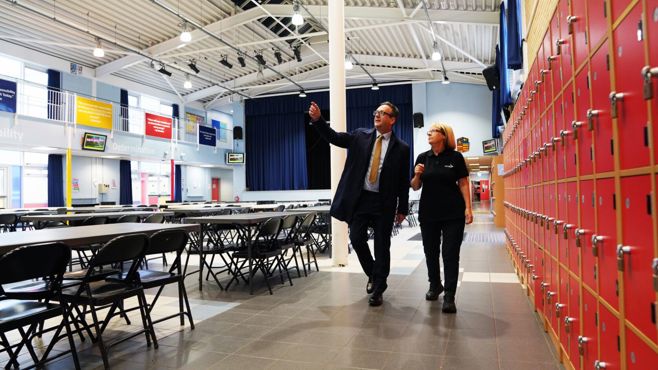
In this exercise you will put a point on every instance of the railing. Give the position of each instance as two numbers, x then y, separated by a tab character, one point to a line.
35	100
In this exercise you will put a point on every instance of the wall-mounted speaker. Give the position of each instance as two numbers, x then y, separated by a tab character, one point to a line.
492	77
418	120
237	133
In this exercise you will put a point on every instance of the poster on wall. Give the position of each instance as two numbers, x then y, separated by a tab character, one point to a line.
191	121
93	113
222	130
463	145
75	185
207	136
7	96
157	126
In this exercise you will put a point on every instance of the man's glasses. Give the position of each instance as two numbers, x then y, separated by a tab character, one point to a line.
381	112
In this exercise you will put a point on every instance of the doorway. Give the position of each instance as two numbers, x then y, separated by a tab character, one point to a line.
215	189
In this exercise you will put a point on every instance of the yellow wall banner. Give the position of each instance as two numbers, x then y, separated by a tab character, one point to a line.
93	113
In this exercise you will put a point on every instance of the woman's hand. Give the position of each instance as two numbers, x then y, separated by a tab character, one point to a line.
468	215
419	169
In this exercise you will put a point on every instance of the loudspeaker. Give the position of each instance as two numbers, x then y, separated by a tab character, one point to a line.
237	133
493	78
418	120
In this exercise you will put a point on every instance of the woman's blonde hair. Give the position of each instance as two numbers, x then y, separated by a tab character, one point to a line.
447	131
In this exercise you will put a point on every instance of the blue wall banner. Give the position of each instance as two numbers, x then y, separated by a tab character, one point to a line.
207	136
7	96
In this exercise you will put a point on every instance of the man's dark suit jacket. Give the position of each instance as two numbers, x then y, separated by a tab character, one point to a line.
393	179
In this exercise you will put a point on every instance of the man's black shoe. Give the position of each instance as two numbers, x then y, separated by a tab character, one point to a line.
434	292
369	287
376	300
449	304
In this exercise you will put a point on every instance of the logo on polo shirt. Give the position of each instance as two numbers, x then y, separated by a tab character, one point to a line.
448	166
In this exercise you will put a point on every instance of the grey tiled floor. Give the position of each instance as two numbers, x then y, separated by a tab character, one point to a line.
324	322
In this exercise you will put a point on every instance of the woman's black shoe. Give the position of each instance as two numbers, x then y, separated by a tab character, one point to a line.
434	292
449	304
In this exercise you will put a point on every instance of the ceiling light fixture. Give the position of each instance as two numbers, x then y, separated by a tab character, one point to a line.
302	94
277	55
436	54
298	53
259	57
98	50
348	62
224	61
445	81
375	86
297	18
185	36
241	61
192	65
188	82
164	71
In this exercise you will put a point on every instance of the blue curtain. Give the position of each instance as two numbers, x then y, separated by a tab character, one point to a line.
514	44
178	187
124	110
175	115
54	95
275	148
125	183
505	97
55	180
496	106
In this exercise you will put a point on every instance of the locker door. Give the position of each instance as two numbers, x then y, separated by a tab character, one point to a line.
558	30
569	160
600	120
551	294
584	233
565	57
618	7
639	355
588	343
537	280
604	243
584	136
609	339
551	237
636	254
652	30
598	25
579	32
562	308
558	156
630	105
572	322
570	226
544	74
562	217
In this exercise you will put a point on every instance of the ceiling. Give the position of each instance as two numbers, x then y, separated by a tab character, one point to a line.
390	41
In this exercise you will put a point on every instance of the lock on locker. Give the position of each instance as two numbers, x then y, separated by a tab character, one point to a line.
585	154
626	101
576	22
598	117
588	340
635	254
604	241
583	233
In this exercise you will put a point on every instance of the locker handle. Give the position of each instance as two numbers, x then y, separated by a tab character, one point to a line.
568	321
582	341
647	74
558	45
596	239
621	251
571	19
543	72
566	229
563	134
549	295
550	144
578	233
614	98
655	274
543	285
537	83
576	125
591	113
558	308
556	139
556	224
549	220
534	277
550	59
598	365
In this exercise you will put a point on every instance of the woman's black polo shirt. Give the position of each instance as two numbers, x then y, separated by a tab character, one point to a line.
440	198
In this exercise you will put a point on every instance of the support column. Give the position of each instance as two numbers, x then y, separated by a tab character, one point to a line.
338	119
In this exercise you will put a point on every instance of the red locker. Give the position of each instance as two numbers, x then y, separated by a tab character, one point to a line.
639	356
562	308
636	253
551	292
618	7
565	58
584	136
583	233
569	159
604	243
588	341
570	226
627	102
652	30
598	23
598	118
578	27
572	322
560	221
609	339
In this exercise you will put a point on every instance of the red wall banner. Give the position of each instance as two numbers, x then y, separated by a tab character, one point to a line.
158	126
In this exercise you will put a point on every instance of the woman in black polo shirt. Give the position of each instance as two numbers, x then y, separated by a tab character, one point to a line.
445	206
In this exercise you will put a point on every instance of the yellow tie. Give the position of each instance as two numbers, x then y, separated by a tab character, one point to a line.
374	165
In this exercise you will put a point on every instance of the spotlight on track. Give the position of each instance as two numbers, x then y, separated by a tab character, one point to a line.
224	61
192	65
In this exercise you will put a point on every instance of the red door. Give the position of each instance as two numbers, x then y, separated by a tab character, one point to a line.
599	116
215	189
609	339
639	355
584	233
604	243
484	189
584	136
579	32
588	342
598	25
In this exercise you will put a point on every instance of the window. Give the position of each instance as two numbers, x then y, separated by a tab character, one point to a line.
166	110
35	94
35	180
11	67
135	116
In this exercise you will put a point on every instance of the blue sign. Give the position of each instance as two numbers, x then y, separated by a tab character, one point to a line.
7	96
222	129
207	136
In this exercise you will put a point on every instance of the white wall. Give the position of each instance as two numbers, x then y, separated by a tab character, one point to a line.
93	171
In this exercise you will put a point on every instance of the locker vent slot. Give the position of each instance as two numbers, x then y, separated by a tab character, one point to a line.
649	204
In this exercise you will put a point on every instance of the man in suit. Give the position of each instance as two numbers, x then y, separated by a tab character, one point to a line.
373	189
